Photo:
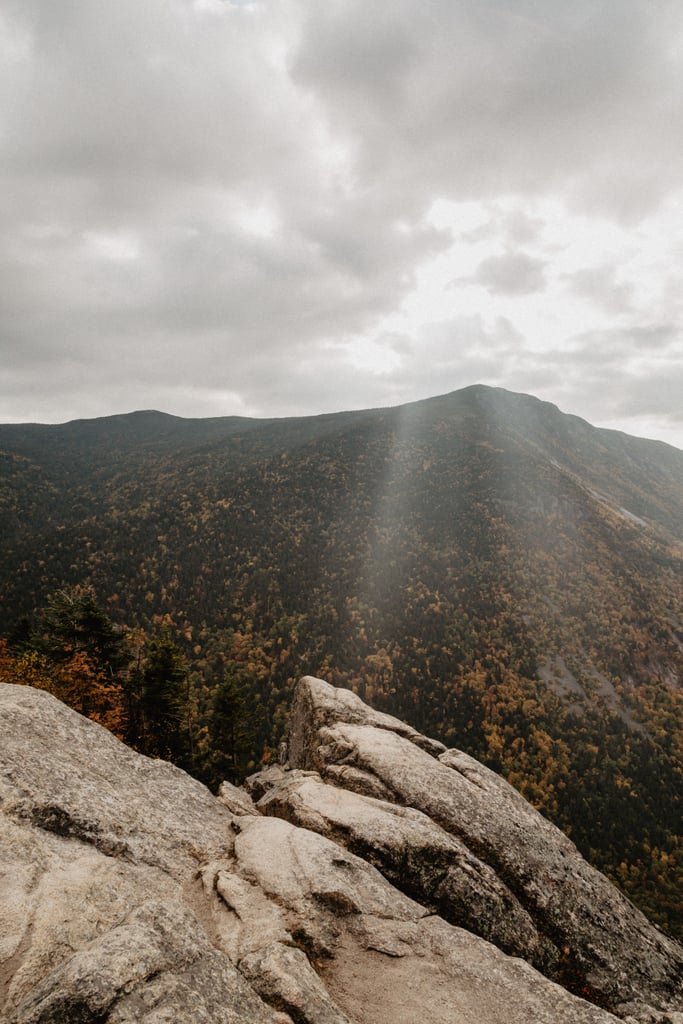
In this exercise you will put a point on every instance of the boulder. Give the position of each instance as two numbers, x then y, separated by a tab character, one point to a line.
607	949
103	916
382	957
235	799
417	855
129	893
156	965
284	977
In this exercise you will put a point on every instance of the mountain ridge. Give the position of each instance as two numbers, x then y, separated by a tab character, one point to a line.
533	420
507	577
161	416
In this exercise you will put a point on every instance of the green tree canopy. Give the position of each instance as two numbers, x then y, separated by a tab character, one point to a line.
163	702
73	621
228	733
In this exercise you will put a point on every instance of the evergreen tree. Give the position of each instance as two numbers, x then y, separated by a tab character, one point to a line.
75	653
21	637
228	733
72	622
164	726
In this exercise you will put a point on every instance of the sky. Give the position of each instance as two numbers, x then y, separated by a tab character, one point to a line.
287	207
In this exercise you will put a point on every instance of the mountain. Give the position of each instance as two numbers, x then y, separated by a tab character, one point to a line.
375	877
506	577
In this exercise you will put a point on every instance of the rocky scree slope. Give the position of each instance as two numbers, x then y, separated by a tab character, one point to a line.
380	879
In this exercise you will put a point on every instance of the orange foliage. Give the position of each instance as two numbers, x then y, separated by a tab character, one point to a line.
76	681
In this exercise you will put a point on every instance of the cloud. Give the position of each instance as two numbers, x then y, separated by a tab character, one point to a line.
626	378
479	99
450	354
511	273
602	286
174	192
230	206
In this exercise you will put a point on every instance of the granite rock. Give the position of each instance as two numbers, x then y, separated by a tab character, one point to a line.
608	950
129	893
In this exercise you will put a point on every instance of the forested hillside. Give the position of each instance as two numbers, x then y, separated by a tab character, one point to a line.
505	577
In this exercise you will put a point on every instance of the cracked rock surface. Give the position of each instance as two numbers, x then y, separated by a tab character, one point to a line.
588	935
339	892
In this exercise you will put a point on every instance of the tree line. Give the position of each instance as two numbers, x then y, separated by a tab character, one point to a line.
136	685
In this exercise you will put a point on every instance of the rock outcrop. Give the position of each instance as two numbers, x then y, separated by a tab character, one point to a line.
461	840
380	879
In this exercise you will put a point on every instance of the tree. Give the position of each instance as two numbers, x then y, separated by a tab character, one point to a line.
72	622
76	654
164	729
86	657
227	732
85	687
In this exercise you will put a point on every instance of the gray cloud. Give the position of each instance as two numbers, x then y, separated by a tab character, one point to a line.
203	204
623	376
602	286
506	97
609	377
511	273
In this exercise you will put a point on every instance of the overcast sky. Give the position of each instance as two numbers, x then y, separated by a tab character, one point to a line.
296	206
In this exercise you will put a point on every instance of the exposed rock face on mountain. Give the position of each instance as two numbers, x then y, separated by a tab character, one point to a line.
457	837
358	887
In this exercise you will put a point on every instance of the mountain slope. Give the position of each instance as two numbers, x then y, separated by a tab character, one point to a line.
506	577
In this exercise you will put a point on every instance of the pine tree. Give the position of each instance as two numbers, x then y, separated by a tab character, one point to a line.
73	621
228	733
76	654
164	729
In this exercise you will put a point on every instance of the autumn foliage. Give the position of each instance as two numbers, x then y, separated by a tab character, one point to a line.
507	579
77	681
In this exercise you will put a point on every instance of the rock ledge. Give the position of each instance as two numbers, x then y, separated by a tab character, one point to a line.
376	879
